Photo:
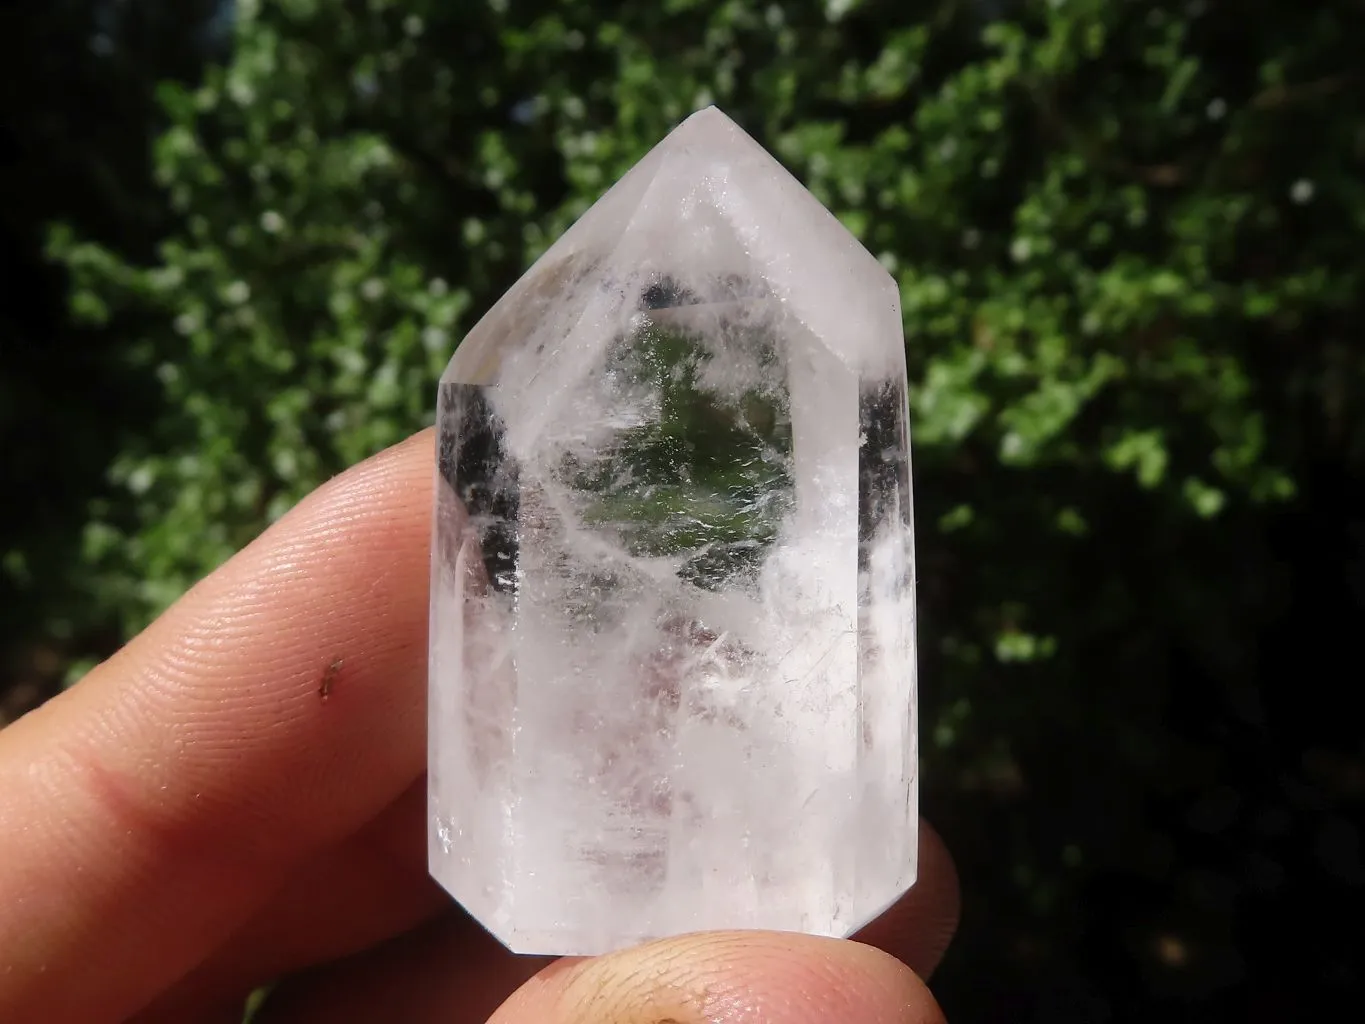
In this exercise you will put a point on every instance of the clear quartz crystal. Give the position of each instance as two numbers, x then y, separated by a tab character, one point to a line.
672	616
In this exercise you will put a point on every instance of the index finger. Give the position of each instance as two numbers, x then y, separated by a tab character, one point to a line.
146	813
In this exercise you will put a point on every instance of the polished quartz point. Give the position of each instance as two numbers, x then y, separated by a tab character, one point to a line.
672	669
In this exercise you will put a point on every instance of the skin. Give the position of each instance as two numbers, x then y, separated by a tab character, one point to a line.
237	796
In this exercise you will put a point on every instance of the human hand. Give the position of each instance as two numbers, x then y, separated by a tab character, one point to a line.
238	796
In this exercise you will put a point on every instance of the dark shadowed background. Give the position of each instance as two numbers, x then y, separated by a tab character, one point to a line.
242	240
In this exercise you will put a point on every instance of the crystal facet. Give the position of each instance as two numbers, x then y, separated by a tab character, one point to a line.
672	615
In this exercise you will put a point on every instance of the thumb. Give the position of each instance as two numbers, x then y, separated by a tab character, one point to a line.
727	978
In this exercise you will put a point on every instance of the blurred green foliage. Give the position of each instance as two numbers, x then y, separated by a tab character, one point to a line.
1128	240
1081	204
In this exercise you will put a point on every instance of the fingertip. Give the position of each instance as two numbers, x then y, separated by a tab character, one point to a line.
272	711
920	927
727	978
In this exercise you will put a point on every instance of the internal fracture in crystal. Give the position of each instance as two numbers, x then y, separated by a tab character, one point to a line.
672	672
